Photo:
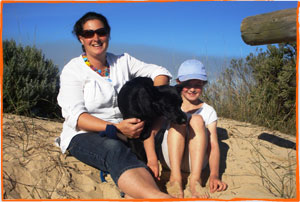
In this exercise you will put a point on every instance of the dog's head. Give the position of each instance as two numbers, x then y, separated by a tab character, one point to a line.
169	104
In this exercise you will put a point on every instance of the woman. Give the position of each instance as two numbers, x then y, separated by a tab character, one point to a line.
88	98
190	150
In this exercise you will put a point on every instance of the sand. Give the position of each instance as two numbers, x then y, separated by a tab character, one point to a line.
256	163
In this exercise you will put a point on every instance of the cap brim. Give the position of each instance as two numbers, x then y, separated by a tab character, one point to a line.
193	76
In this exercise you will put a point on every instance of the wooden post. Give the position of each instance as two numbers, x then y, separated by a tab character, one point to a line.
275	27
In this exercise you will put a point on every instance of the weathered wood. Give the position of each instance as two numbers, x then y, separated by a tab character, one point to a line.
275	27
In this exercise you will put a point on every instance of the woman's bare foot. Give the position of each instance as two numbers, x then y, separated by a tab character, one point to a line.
126	196
196	189
175	189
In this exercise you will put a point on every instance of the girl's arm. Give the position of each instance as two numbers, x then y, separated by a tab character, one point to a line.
149	144
152	161
214	157
214	160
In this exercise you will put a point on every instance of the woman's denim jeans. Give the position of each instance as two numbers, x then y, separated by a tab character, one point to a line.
103	153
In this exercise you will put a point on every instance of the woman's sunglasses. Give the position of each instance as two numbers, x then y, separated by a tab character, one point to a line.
91	33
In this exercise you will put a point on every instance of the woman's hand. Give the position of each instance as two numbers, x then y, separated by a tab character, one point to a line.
215	184
131	128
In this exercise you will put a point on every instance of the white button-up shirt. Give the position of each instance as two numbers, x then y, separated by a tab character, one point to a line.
84	90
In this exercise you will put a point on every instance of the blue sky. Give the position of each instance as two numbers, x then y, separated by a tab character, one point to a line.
161	33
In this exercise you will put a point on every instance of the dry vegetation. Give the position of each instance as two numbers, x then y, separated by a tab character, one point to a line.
34	168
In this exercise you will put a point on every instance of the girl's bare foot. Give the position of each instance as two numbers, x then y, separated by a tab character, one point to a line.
196	189
175	189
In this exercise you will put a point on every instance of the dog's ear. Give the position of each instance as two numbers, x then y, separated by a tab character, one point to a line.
179	88
157	96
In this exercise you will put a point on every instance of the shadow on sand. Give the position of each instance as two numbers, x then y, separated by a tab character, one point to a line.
277	141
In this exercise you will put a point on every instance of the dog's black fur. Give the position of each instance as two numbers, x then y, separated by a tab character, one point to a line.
138	98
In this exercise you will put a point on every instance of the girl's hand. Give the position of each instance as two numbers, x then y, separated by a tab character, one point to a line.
131	128
215	184
153	165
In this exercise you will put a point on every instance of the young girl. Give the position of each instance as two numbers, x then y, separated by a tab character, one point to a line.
190	148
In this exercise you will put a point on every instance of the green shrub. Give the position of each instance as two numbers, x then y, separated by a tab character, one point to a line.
30	82
260	89
275	91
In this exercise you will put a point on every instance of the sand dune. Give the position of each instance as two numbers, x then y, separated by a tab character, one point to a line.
255	162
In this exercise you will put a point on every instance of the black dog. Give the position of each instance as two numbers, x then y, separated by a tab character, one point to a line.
138	98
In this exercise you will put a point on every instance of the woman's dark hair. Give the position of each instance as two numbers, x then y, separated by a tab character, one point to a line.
78	27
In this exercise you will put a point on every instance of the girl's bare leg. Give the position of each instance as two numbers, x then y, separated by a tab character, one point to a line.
176	144
197	149
138	183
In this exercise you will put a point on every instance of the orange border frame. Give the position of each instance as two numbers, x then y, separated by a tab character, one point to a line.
297	109
190	199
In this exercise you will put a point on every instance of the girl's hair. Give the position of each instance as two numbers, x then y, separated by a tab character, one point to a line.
78	27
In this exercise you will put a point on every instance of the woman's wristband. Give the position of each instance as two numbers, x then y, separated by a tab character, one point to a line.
110	132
